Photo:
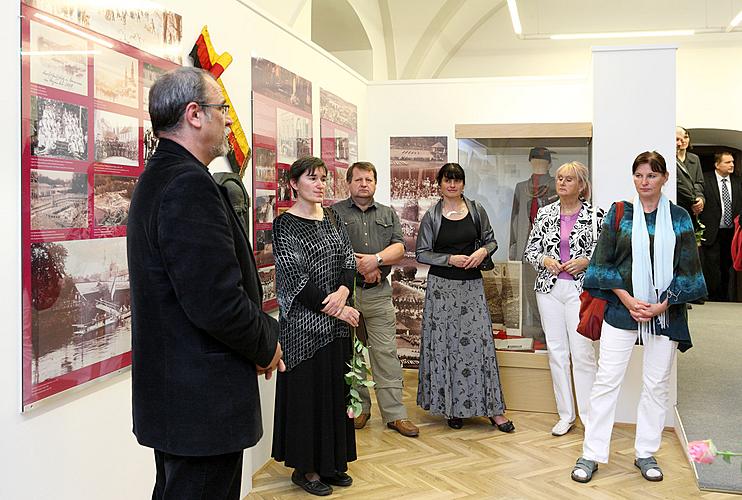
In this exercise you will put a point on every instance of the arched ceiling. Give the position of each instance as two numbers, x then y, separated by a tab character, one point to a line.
414	39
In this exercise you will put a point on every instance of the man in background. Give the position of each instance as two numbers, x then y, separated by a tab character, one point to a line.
199	336
723	201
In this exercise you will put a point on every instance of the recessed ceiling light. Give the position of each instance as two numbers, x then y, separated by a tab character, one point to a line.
514	17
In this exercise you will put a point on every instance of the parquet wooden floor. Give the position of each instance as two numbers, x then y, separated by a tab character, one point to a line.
479	461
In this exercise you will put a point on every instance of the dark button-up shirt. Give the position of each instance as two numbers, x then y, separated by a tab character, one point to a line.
370	231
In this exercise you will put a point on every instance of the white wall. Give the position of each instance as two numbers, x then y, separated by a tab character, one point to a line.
434	107
80	446
634	111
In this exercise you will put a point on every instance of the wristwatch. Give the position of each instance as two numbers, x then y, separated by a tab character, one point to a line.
379	259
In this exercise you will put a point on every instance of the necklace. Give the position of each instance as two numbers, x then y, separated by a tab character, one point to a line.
460	211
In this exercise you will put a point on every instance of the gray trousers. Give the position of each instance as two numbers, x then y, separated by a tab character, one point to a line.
378	312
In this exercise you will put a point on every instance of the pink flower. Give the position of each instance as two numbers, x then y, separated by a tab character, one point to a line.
351	413
702	452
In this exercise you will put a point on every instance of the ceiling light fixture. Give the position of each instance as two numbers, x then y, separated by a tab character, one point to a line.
73	30
737	19
623	34
514	17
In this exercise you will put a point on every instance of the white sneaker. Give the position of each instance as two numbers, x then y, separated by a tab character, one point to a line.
561	428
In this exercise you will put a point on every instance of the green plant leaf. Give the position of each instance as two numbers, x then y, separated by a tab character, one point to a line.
727	459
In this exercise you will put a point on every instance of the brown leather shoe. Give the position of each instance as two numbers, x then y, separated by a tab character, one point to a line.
360	421
404	427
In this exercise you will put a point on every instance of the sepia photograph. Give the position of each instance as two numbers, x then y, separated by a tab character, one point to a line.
276	82
264	247
264	160
81	309
408	296
337	110
415	162
265	206
59	200
116	77
341	185
111	199
150	29
58	129
116	138
267	277
149	141
57	60
284	188
149	75
502	290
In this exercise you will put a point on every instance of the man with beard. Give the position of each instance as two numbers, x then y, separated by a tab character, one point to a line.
199	336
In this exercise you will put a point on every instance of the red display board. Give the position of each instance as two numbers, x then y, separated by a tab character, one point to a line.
282	133
86	137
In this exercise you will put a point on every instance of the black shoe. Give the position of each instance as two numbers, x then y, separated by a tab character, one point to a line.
339	479
313	487
699	302
455	423
508	426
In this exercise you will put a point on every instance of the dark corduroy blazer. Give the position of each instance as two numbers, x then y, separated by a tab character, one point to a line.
198	330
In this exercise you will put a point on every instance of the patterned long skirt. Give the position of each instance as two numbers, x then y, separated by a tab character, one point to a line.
458	375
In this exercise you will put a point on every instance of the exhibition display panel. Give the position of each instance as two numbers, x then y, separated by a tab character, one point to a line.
86	136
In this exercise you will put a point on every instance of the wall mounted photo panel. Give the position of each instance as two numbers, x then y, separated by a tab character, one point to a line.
415	162
85	140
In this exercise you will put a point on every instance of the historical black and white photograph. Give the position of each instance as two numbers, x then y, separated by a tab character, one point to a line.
267	277
150	73
408	296
276	82
342	146
149	141
265	206
111	199
116	77
59	200
284	188
116	138
151	29
264	247
337	110
294	136
341	185
330	185
415	162
58	59
58	129
264	160
80	305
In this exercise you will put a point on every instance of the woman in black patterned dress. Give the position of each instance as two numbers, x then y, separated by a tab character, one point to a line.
315	267
458	375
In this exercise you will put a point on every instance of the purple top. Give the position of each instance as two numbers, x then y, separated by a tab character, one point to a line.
566	224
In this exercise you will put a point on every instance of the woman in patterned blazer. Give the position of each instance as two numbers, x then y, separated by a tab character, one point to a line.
559	247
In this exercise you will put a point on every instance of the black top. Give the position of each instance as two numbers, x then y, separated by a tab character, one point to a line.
456	237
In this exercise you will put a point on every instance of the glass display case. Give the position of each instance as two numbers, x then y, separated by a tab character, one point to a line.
510	170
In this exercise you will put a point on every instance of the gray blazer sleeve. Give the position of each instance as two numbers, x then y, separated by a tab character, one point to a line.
488	235
424	247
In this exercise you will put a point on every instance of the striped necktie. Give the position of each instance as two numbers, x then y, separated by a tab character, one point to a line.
726	201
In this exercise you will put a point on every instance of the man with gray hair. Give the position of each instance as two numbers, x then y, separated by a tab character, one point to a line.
199	336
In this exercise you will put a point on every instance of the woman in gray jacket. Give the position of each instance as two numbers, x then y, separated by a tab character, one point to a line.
458	375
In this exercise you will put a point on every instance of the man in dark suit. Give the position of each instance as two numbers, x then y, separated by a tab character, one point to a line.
199	336
723	200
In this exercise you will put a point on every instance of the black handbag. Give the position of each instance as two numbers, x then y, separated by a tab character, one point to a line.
487	264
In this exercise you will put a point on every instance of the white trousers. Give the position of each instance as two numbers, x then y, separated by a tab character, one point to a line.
560	314
616	346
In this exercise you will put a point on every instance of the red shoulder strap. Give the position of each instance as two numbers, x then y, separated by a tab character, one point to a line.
619	213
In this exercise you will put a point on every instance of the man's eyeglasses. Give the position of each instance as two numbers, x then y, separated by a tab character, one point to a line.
223	107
